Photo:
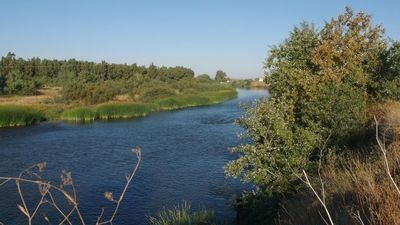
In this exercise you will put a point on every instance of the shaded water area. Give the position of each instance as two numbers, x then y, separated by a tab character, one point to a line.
183	152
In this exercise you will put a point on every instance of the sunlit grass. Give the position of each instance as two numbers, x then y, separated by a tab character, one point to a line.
81	114
118	110
206	98
14	115
124	110
183	215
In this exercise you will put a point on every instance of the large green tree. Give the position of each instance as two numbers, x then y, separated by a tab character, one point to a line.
318	83
20	84
221	76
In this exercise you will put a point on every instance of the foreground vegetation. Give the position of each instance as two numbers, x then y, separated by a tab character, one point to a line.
317	156
85	91
13	116
183	215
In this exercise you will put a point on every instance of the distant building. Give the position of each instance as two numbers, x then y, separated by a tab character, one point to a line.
261	79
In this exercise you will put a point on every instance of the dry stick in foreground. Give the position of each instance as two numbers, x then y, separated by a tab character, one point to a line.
382	147
47	191
322	198
109	196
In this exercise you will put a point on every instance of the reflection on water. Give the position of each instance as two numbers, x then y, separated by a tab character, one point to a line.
183	157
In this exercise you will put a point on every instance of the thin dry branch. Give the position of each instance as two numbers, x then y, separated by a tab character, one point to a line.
322	196
138	153
382	147
47	197
321	200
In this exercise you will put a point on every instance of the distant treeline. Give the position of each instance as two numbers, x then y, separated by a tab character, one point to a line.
92	83
20	76
249	84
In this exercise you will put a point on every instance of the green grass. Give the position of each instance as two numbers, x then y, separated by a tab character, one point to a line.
81	114
13	116
124	110
110	111
182	215
207	98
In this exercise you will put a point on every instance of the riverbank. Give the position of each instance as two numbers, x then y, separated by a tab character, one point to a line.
14	114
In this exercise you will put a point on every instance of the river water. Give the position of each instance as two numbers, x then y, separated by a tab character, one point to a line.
183	153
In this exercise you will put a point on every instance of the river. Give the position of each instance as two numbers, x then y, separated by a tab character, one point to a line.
183	151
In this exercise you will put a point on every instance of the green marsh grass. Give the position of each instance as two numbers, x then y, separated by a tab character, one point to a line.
108	111
80	114
207	98
14	115
124	110
183	215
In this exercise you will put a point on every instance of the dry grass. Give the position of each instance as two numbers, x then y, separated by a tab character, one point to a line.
44	96
356	189
62	199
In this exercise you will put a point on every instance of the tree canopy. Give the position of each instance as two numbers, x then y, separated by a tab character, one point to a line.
221	76
320	84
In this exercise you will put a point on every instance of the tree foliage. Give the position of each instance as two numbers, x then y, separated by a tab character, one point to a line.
74	75
221	76
320	83
20	84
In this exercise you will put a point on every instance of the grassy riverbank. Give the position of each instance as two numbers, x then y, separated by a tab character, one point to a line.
117	110
12	115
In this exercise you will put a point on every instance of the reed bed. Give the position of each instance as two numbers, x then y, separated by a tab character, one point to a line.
81	114
183	215
10	116
124	110
184	101
15	115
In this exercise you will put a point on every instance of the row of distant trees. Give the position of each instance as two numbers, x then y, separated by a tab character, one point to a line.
24	77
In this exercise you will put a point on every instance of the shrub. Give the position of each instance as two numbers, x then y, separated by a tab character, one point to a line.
318	84
150	94
20	84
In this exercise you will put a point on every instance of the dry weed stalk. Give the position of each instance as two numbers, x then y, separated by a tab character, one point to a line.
382	147
375	192
322	196
47	194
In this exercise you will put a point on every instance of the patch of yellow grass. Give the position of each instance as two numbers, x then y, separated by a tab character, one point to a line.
44	96
388	115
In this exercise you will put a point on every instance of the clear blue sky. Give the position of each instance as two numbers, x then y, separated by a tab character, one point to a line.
205	35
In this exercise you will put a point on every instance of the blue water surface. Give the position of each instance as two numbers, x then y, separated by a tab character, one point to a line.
184	153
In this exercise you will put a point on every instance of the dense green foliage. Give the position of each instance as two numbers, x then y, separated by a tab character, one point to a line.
320	85
81	80
204	77
89	83
183	215
13	115
221	76
18	83
386	82
81	83
245	83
